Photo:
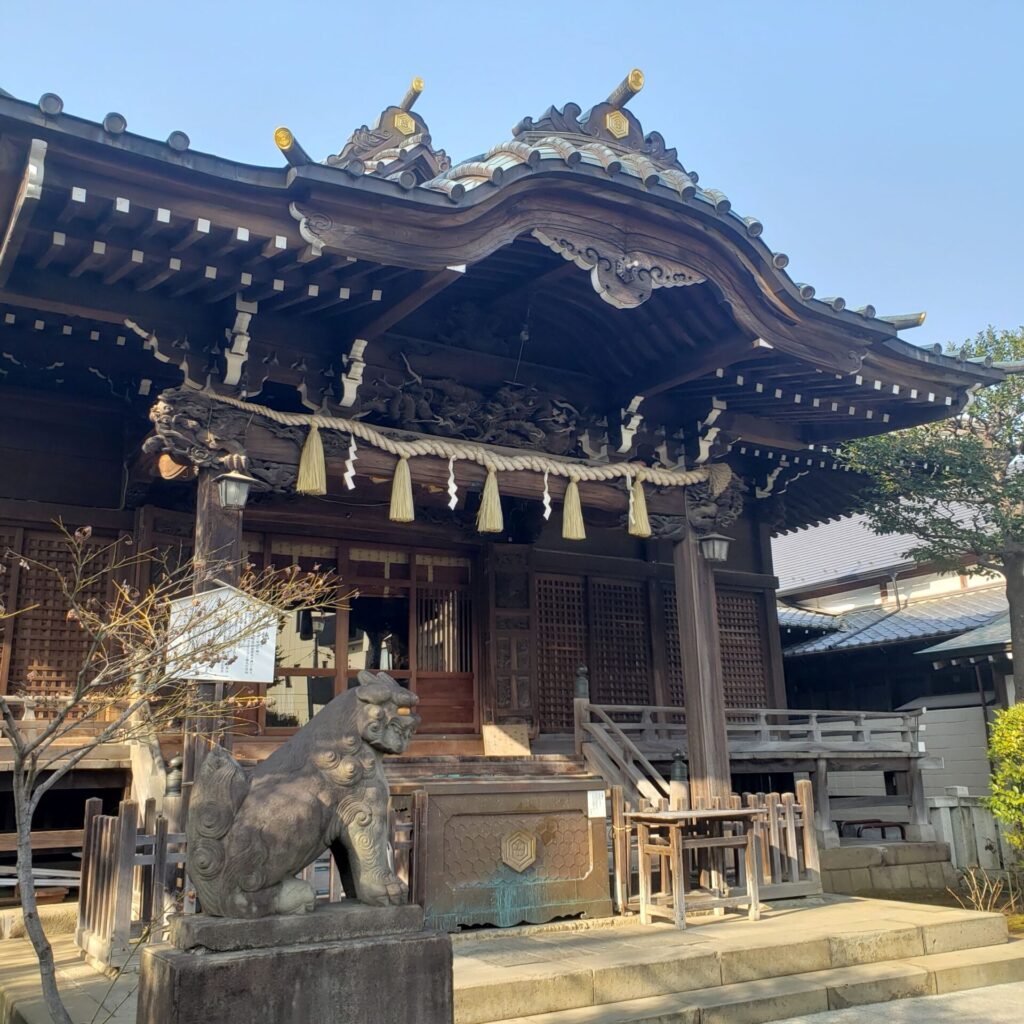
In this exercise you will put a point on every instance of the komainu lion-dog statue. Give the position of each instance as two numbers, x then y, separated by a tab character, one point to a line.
251	830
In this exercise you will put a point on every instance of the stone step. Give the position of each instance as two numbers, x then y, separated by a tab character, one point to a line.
773	999
542	973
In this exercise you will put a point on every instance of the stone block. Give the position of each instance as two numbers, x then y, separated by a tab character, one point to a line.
683	972
881	879
405	978
851	857
334	922
544	992
921	834
839	880
56	918
918	876
755	962
865	947
899	876
965	931
876	983
860	880
914	853
759	1001
976	968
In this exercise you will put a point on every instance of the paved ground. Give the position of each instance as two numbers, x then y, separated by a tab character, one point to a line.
621	960
1001	1004
90	997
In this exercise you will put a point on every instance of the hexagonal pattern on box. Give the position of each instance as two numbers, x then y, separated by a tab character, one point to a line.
519	849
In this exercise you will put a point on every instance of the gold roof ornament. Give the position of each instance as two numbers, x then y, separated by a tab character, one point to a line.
627	88
413	94
616	123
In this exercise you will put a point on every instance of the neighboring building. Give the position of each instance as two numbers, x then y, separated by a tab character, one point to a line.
566	318
864	627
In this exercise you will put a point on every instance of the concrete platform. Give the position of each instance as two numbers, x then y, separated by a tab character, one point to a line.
802	958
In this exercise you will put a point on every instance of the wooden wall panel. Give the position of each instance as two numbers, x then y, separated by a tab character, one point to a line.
561	646
673	652
63	451
46	651
744	645
620	642
512	664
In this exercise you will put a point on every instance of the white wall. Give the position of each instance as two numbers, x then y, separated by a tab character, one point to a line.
957	735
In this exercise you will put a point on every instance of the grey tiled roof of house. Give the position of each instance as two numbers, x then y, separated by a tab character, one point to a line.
837	551
994	635
804	618
918	620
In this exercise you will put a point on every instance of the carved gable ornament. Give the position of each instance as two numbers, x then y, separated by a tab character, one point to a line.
623	279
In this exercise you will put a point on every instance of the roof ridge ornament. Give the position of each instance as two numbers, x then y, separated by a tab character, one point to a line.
610	123
397	147
399	142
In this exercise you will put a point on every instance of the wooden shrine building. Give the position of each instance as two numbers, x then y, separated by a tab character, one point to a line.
589	365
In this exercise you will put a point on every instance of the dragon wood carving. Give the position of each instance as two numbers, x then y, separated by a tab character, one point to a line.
513	416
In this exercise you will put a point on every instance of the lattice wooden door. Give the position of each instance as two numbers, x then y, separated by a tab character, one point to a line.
561	647
742	627
620	643
673	655
47	650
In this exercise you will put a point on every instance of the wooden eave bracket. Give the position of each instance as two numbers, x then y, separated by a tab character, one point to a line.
25	204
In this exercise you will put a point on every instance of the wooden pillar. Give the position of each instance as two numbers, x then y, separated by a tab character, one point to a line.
218	537
217	559
702	672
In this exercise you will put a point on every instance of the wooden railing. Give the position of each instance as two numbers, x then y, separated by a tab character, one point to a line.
132	877
133	874
659	730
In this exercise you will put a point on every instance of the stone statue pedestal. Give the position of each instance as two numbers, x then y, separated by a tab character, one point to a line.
344	963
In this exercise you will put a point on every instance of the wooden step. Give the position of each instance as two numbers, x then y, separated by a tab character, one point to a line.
407	769
773	999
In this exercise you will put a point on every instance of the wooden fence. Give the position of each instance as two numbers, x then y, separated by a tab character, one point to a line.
789	864
132	877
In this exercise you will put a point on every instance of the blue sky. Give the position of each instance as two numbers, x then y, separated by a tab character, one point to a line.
882	144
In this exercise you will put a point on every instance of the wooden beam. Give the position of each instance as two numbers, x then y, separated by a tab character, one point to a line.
691	366
432	285
25	204
760	431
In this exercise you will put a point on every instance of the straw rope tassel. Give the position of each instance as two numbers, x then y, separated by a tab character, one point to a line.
490	518
312	476
401	494
639	524
572	514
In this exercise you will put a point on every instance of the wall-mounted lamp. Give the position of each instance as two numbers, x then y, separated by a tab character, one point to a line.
233	490
715	547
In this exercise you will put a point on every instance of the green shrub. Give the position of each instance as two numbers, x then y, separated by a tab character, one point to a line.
1006	749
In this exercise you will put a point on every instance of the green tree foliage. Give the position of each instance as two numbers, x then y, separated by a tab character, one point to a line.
1006	750
957	485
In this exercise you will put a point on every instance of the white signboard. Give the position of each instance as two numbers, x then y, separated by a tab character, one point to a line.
222	635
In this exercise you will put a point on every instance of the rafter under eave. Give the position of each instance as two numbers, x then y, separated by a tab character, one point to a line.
25	204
